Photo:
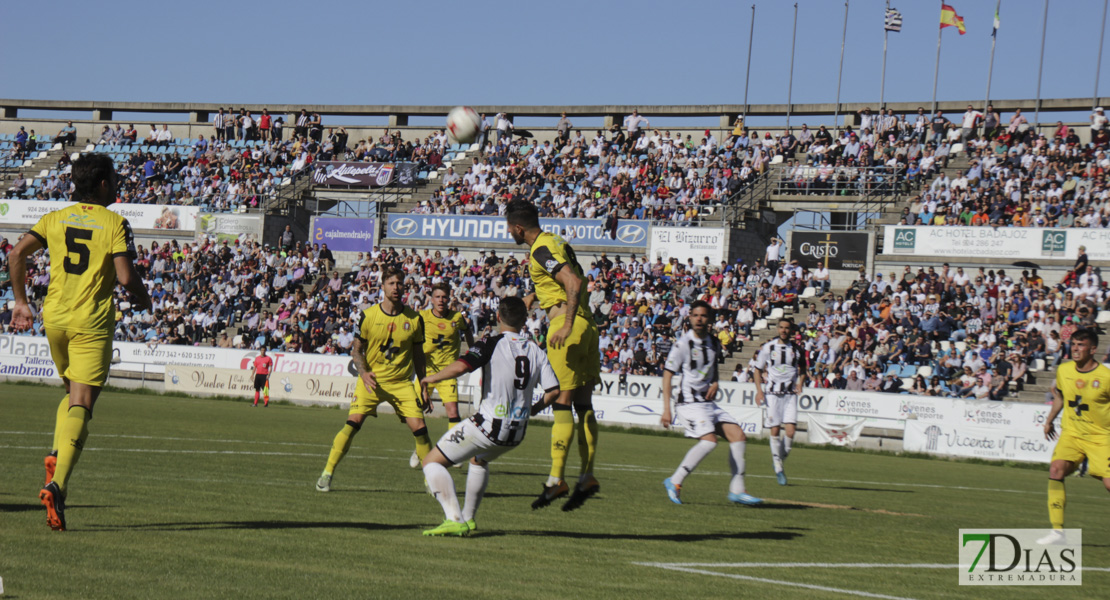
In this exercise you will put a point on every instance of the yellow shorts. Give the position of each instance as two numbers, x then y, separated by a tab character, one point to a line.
578	361
403	396
81	357
448	390
1073	448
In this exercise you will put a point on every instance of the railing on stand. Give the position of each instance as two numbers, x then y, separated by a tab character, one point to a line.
740	207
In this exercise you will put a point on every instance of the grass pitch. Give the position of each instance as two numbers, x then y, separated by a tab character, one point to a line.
194	498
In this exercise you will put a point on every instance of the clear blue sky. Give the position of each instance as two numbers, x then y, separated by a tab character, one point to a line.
574	52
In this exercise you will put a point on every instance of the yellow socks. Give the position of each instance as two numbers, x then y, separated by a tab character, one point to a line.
587	439
1057	500
59	419
423	443
71	436
562	432
341	445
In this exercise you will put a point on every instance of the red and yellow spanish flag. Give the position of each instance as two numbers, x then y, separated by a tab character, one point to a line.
949	18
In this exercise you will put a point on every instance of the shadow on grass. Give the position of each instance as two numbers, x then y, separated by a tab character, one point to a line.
784	536
861	489
36	506
258	525
778	506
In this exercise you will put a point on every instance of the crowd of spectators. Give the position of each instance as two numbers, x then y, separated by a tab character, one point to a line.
292	298
241	163
1018	177
977	334
623	172
954	333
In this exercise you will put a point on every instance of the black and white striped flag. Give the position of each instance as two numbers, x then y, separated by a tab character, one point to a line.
893	20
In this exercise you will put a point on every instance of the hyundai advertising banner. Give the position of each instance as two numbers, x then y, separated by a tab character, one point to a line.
632	235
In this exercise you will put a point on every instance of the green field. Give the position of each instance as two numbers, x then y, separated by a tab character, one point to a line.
192	498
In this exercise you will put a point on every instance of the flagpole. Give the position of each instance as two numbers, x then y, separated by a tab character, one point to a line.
882	81
1040	69
1098	66
790	86
840	73
990	70
748	75
936	70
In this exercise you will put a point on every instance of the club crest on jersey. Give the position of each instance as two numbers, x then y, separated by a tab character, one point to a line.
1095	383
408	326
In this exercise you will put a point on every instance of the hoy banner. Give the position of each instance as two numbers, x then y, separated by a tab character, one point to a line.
842	250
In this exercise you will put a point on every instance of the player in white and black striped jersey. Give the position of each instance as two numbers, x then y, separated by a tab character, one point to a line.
778	367
512	367
694	359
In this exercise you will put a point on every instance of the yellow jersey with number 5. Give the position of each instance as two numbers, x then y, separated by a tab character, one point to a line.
83	240
443	338
1086	396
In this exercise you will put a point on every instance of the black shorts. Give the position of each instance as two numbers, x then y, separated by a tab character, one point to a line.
260	381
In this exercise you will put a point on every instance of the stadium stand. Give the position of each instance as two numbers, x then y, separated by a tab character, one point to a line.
936	331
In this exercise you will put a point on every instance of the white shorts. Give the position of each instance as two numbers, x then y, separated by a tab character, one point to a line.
465	441
781	410
702	418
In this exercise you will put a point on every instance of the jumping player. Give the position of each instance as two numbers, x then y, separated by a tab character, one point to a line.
694	358
572	349
777	369
91	248
1084	384
261	367
512	366
446	329
389	349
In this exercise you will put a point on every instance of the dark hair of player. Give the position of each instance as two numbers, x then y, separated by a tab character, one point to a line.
523	213
391	272
89	170
1086	335
513	312
444	286
702	304
787	320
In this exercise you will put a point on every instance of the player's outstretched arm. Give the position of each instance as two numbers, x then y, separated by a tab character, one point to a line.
1050	421
666	419
548	399
451	371
421	367
757	378
358	355
130	279
22	317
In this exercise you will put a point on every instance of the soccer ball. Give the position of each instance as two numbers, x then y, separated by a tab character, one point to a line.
462	124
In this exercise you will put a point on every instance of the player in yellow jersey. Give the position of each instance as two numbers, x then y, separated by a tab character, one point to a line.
1082	392
444	332
388	350
443	336
91	248
572	349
